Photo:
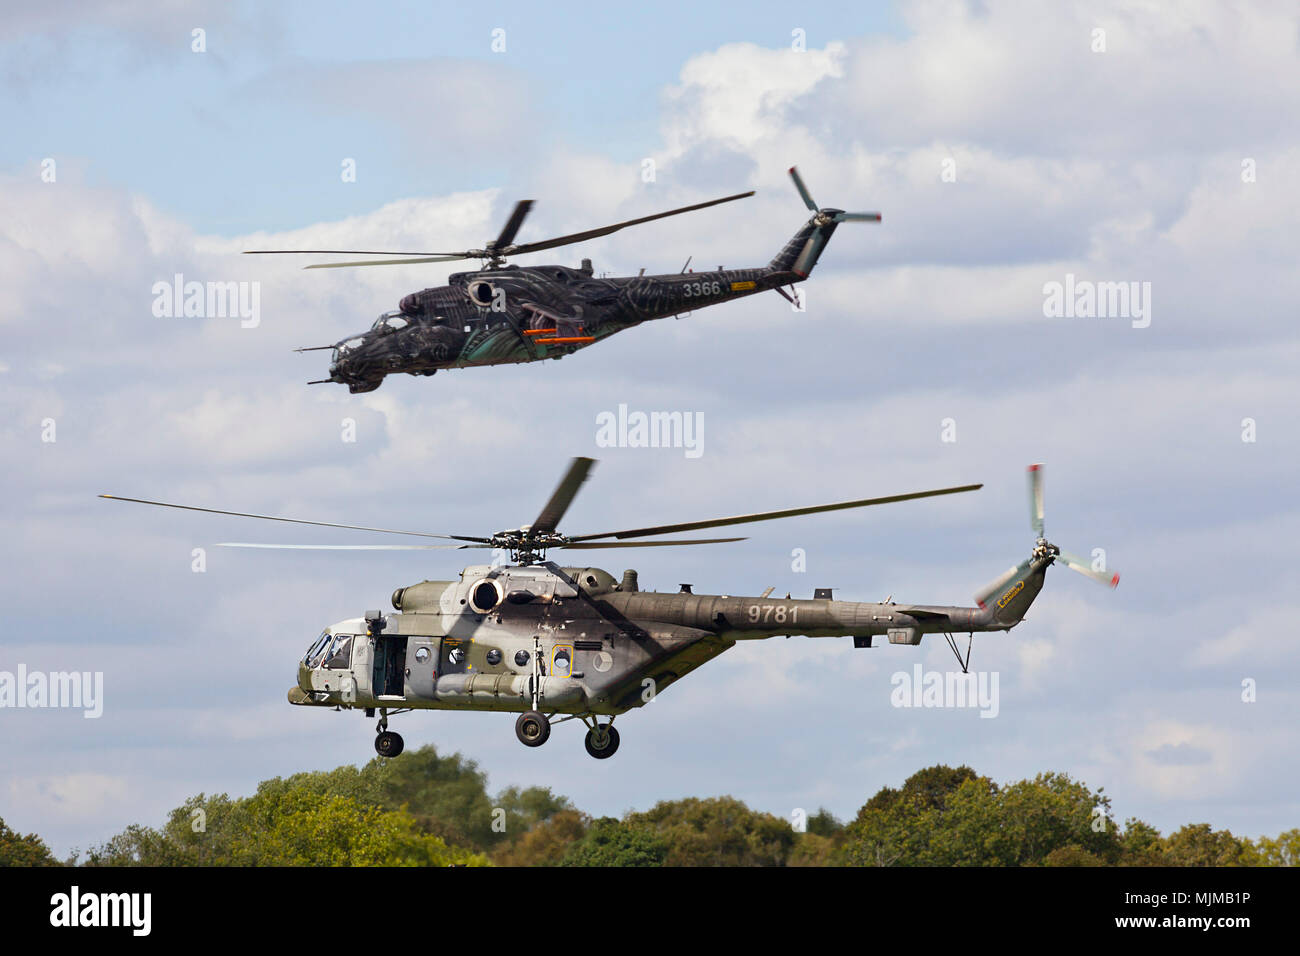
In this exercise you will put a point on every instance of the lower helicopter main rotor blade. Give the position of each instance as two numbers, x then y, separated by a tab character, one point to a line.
322	524
647	544
606	230
511	228
769	515
563	496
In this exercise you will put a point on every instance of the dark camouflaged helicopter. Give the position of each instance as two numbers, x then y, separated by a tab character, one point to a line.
542	640
505	314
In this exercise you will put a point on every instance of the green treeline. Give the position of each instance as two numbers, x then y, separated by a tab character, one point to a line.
424	809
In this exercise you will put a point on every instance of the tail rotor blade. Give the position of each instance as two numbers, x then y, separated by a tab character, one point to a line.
1076	563
1035	473
992	588
803	190
857	217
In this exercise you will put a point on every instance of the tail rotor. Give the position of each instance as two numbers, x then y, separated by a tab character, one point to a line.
800	254
1044	551
830	214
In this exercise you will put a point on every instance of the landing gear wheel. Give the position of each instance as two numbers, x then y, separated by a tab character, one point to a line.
389	744
603	744
532	729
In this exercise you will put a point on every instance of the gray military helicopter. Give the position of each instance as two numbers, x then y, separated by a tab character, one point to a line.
542	640
504	314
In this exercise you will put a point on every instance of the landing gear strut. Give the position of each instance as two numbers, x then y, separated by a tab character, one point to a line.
532	728
388	743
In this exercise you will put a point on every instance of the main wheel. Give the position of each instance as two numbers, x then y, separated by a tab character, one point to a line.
602	745
532	729
389	744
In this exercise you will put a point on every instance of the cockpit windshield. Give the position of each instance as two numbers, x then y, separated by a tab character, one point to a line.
316	652
391	322
339	656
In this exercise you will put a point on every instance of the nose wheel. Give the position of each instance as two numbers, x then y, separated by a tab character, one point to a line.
532	728
388	743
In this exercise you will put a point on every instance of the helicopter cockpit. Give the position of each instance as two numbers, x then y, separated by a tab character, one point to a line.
390	322
331	651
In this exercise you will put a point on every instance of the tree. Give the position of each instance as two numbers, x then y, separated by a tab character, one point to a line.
17	849
611	842
281	825
299	827
525	809
898	827
1198	844
824	823
947	817
1141	844
546	843
720	831
1283	851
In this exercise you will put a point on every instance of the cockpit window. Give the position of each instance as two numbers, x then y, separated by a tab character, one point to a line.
391	321
350	344
314	654
339	656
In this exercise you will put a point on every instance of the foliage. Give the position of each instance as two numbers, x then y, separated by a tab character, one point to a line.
546	843
953	817
720	831
429	809
1283	851
612	842
17	849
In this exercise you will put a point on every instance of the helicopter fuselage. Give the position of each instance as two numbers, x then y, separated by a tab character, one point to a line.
513	314
577	641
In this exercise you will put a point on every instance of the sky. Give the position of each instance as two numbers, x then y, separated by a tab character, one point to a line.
1009	147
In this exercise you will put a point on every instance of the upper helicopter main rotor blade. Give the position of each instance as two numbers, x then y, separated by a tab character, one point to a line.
501	246
517	217
606	230
648	544
322	524
769	515
563	495
388	262
344	252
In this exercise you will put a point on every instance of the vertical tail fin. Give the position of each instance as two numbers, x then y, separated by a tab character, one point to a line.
1006	600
